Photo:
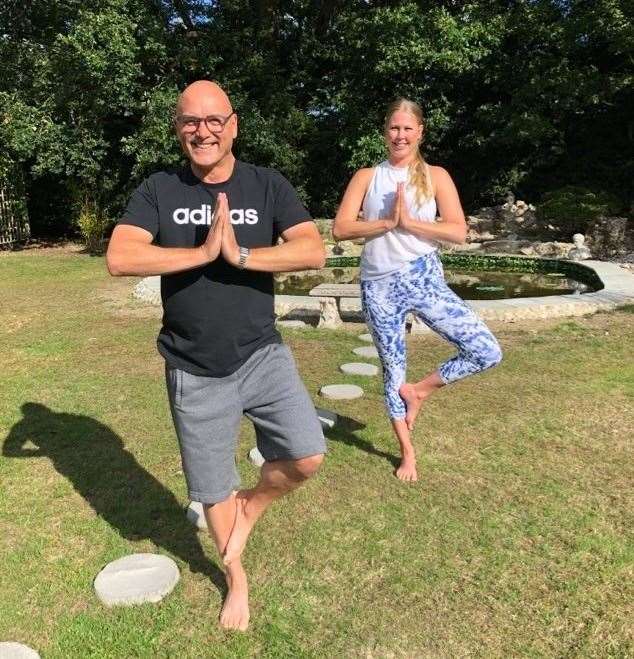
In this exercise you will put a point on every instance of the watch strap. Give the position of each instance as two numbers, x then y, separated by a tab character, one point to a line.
244	255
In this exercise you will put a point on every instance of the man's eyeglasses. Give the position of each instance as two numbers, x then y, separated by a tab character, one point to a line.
215	122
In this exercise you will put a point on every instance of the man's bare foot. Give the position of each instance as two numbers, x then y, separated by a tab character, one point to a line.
413	401
245	519
407	470
235	609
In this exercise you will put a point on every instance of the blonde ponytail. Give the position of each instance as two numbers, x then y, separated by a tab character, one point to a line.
419	176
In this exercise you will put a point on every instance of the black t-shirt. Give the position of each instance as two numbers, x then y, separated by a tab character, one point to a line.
216	316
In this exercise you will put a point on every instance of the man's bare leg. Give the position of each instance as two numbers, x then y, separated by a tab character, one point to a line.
407	469
276	479
235	609
415	394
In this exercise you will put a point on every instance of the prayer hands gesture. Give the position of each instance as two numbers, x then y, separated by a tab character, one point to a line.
221	238
400	213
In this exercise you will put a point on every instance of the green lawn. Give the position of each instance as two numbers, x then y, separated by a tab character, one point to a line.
517	541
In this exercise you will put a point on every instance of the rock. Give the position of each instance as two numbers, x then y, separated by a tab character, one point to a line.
367	351
196	515
341	391
552	249
255	457
12	650
505	246
486	213
359	368
324	226
136	579
609	237
366	337
465	247
329	314
327	418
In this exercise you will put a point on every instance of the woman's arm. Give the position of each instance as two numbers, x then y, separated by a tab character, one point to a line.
347	224
451	227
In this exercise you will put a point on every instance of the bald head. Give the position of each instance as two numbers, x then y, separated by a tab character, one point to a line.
204	92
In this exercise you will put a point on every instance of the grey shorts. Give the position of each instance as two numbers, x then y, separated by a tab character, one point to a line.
207	412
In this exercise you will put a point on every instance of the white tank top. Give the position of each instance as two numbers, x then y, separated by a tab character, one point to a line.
393	250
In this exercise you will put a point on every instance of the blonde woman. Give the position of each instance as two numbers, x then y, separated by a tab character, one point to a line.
401	272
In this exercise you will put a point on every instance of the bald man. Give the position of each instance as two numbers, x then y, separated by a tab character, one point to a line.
211	230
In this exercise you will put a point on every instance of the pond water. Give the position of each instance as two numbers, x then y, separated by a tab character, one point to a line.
468	284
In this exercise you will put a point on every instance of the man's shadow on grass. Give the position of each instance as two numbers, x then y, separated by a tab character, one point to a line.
118	488
344	432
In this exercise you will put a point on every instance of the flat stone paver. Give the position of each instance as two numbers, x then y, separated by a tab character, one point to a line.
13	650
366	337
341	391
255	457
149	290
327	418
359	368
196	515
367	351
136	579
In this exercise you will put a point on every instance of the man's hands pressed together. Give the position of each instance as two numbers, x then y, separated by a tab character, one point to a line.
221	238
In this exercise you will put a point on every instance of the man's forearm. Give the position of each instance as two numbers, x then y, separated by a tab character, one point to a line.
297	254
139	259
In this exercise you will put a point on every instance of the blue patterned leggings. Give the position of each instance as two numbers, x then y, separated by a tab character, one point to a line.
420	288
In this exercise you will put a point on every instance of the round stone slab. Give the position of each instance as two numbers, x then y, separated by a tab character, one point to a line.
327	418
196	515
136	579
366	351
11	650
366	337
255	457
359	368
341	391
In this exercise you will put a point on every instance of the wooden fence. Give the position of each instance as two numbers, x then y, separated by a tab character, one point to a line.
14	220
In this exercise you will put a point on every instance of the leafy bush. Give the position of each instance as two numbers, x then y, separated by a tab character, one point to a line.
92	224
570	209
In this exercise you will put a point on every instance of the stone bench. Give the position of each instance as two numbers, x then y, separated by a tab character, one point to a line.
330	296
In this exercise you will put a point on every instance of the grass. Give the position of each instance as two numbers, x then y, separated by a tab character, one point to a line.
517	541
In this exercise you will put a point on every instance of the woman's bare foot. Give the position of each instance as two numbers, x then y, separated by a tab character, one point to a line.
235	609
407	469
245	519
413	401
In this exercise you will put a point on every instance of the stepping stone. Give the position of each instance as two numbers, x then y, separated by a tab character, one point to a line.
366	337
196	515
366	351
291	323
136	579
418	326
327	418
255	457
11	650
341	391
359	368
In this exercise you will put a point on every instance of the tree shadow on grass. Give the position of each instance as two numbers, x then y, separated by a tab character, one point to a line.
344	432
118	488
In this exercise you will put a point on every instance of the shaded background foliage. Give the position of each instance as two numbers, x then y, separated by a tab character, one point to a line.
528	95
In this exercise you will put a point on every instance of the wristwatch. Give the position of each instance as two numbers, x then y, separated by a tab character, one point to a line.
244	255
